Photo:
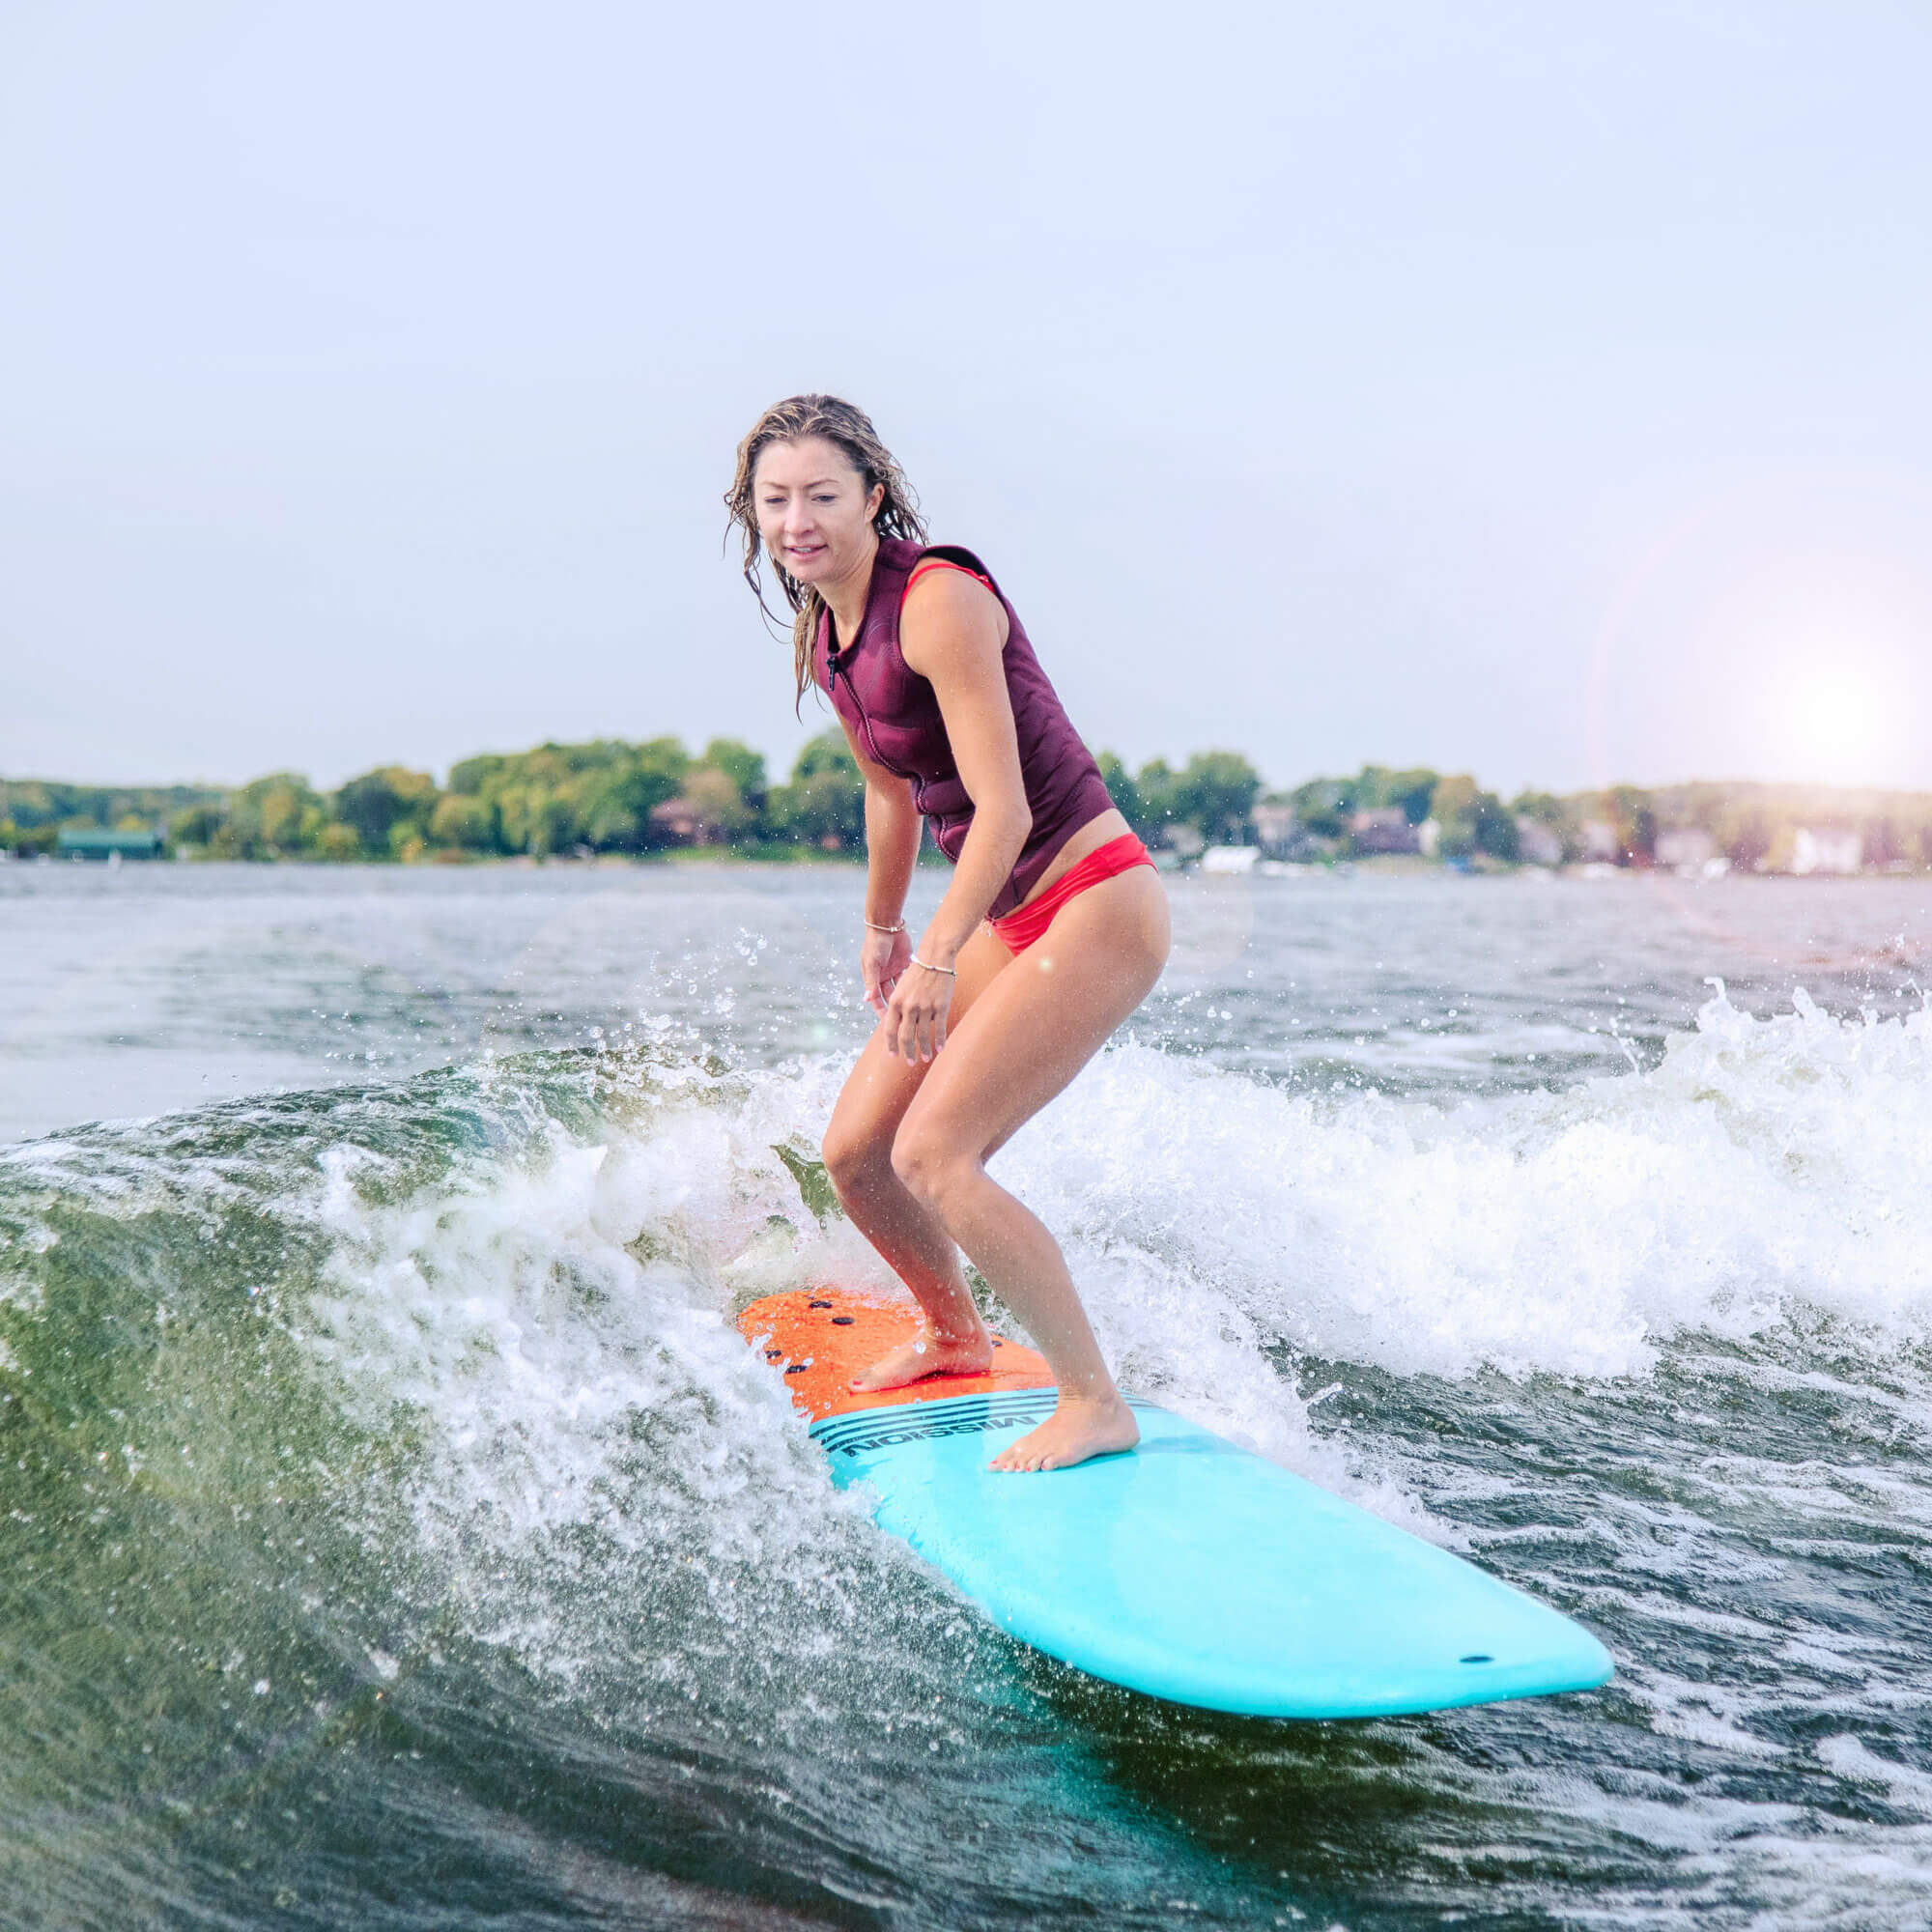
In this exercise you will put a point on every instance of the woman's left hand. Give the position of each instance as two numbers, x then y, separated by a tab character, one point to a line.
882	958
915	1019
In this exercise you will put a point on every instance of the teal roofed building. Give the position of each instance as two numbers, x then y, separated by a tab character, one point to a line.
93	844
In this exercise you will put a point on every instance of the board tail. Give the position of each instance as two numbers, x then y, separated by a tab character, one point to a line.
823	1337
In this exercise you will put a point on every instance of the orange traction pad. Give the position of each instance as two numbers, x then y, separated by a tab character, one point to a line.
821	1337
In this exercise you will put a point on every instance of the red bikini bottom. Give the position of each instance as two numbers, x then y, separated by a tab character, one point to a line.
1019	928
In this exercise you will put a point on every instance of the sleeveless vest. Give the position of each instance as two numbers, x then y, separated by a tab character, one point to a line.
893	717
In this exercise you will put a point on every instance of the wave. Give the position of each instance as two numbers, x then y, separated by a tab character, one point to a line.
539	1246
317	1402
1768	1170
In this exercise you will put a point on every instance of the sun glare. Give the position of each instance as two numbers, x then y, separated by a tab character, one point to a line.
1833	725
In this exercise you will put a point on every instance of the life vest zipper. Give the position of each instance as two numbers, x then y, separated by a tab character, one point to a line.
864	723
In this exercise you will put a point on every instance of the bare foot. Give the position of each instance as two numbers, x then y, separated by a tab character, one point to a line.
1075	1431
928	1355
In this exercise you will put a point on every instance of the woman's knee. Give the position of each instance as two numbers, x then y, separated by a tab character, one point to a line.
928	1161
854	1154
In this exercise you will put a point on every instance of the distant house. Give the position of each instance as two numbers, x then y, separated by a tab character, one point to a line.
1685	848
1383	829
1274	827
1600	843
676	821
1537	843
1826	852
92	844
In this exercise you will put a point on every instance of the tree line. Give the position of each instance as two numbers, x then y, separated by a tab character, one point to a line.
622	797
608	796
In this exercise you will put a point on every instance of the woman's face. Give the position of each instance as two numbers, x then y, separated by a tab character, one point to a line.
815	512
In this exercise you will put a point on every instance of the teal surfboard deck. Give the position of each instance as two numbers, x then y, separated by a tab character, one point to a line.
1195	1570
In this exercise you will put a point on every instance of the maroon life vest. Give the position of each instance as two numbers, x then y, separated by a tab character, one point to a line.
893	714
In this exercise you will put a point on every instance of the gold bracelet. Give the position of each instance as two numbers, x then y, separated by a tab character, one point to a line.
949	972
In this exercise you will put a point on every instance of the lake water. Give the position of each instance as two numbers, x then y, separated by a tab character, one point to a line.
397	1535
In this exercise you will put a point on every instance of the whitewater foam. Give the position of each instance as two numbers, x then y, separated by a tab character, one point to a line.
554	1331
1768	1168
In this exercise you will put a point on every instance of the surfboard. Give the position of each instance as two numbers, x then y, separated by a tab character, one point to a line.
1188	1569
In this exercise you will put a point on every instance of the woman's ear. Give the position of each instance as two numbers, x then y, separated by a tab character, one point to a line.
875	501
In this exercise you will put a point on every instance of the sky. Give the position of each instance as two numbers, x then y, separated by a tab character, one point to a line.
1536	391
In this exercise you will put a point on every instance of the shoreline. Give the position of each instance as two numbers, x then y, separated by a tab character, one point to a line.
1384	865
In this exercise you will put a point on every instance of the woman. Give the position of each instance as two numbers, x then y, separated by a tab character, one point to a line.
1053	930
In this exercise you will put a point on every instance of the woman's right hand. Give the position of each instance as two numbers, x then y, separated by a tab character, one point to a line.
882	960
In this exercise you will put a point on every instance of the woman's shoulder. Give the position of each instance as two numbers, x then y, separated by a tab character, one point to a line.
949	602
947	560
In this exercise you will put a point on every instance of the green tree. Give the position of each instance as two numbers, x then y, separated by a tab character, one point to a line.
612	810
1455	813
1495	830
825	809
553	796
1159	789
1412	790
719	806
554	820
281	809
1216	793
264	818
30	841
825	800
1635	817
1124	791
519	812
1471	820
615	799
827	753
473	775
375	804
743	766
536	818
465	821
1324	807
196	826
1543	807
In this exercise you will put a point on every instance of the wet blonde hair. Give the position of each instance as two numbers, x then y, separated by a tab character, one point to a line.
793	421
